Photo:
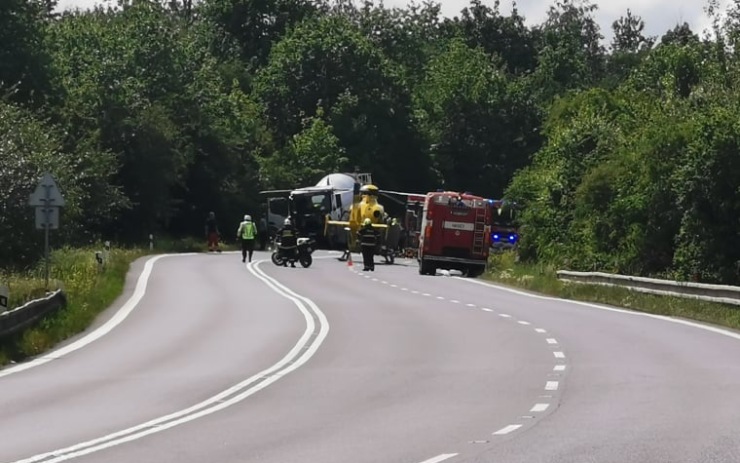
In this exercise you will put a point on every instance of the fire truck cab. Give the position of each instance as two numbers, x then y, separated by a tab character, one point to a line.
456	233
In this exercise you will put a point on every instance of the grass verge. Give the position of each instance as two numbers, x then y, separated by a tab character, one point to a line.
89	292
542	278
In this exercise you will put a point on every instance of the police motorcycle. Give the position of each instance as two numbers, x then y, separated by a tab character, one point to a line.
304	249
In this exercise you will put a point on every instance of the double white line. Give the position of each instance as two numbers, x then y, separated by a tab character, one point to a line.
317	327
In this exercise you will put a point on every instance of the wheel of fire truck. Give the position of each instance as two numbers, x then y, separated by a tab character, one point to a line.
426	267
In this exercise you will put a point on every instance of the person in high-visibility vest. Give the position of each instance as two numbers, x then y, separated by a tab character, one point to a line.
247	233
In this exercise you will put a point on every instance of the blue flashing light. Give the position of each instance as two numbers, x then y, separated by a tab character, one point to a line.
496	237
513	237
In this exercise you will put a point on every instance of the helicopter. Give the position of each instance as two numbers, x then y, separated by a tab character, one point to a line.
365	205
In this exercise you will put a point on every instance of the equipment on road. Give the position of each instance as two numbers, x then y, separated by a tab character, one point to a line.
457	232
301	253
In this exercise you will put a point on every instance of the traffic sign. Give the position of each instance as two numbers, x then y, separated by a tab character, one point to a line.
46	193
42	218
4	295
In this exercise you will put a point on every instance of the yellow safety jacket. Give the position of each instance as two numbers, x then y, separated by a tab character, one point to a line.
247	230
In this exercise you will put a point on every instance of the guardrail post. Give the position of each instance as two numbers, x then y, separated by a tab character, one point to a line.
151	242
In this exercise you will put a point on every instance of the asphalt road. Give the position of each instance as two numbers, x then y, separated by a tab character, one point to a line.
223	362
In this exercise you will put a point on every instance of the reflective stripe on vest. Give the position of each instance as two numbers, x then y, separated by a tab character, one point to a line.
367	237
248	230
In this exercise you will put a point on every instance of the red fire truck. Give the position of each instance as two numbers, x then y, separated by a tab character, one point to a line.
456	233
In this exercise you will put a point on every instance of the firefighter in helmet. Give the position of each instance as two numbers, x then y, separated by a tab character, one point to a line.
368	238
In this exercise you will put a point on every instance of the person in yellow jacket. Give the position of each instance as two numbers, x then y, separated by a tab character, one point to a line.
247	233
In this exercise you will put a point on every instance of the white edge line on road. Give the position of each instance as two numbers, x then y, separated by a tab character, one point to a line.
107	327
438	458
507	429
219	401
679	321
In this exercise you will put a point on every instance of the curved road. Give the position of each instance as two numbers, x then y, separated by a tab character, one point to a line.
207	359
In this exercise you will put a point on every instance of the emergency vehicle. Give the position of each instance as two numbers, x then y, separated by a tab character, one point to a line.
504	232
456	233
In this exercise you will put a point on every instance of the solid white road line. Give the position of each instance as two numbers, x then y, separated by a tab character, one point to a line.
120	316
438	458
551	386
301	352
539	407
507	429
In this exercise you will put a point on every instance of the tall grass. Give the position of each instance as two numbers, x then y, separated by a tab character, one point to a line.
89	290
542	278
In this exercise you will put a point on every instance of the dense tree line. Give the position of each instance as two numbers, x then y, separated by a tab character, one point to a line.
152	113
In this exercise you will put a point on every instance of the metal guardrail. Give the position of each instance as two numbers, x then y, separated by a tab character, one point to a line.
24	316
724	294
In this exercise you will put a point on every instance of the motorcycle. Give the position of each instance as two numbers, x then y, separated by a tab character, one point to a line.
304	249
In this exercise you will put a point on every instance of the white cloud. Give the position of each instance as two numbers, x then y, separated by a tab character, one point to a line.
659	15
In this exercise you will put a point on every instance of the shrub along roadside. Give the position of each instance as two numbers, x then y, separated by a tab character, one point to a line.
542	278
89	292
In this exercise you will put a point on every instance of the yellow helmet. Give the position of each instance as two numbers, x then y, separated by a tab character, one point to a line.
367	222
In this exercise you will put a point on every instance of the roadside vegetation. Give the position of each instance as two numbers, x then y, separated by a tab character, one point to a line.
542	278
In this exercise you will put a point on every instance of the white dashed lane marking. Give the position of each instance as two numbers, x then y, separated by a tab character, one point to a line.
549	386
507	429
539	408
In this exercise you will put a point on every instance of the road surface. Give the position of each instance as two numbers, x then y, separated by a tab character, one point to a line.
208	359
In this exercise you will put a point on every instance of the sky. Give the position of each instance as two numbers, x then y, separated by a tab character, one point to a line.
659	15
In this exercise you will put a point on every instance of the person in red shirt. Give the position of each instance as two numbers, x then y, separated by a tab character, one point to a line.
212	233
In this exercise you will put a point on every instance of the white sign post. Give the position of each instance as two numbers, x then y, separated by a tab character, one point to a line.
47	199
4	296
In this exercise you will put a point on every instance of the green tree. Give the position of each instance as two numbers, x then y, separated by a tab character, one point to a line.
328	63
483	128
